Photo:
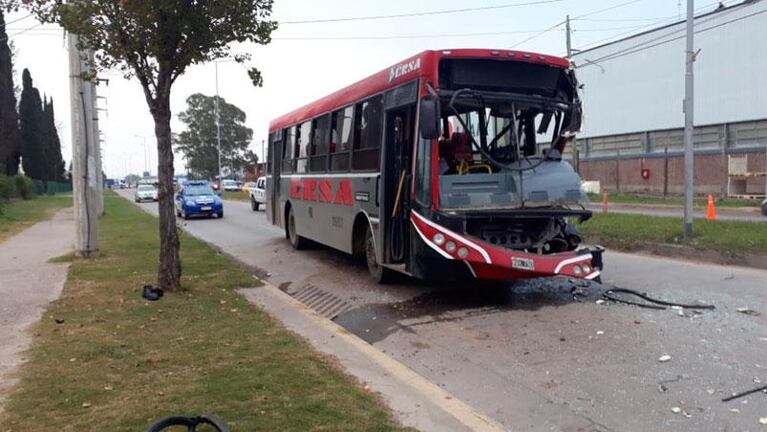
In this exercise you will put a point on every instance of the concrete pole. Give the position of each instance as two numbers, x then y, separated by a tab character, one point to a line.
218	133
96	134
689	108
567	40
84	177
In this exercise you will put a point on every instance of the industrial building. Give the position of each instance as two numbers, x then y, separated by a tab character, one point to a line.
633	91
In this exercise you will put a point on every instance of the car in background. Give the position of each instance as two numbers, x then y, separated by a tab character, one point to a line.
231	185
764	207
258	194
145	192
248	186
197	198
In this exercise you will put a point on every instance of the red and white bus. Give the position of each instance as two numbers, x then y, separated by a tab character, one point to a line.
445	165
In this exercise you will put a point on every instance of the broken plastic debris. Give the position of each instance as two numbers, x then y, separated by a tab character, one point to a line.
747	311
763	420
710	391
735	410
676	307
600	332
757	380
686	414
676	410
664	358
600	301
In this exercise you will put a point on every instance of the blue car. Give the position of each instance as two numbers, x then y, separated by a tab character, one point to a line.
197	198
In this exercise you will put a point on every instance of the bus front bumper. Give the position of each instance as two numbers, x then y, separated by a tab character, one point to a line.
486	261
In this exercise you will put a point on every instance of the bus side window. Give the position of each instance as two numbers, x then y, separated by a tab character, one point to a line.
423	173
288	150
341	139
319	148
368	125
303	141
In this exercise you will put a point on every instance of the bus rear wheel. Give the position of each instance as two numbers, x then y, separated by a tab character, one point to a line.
296	240
379	273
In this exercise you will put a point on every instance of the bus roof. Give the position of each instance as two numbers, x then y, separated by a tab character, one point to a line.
421	64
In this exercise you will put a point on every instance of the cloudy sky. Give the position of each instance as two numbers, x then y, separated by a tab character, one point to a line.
307	60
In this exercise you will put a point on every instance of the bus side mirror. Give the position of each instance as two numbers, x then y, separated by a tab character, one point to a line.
429	120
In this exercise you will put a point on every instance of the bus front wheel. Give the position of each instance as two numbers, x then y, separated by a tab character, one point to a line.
379	273
296	240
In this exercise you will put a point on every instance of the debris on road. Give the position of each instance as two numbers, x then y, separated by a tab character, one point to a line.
747	311
664	358
745	393
648	302
763	420
676	410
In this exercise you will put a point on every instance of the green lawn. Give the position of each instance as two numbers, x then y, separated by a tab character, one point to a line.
622	198
238	196
629	232
17	214
116	361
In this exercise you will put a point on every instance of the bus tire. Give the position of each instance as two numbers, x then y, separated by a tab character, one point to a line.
296	240
379	273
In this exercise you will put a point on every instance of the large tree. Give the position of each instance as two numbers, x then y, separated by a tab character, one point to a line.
10	142
52	144
32	121
156	41
199	142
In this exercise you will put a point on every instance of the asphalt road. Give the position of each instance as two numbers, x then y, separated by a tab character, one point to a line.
543	355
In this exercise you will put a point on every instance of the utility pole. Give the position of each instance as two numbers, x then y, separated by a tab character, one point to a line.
569	45
569	42
689	108
263	157
96	134
218	131
84	155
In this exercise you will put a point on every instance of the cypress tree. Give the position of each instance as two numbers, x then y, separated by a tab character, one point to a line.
10	150
32	130
54	159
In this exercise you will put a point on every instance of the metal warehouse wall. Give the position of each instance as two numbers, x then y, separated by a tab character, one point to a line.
629	91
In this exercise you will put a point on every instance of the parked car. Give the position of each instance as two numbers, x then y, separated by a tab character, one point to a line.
248	186
145	192
764	207
197	198
258	194
231	185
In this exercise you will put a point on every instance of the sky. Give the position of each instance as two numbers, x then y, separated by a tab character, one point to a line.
306	61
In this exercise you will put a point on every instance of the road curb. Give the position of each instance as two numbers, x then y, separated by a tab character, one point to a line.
416	401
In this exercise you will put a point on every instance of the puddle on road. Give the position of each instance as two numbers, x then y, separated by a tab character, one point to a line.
375	322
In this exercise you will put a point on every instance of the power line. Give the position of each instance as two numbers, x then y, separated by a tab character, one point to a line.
20	32
17	20
644	46
538	34
395	37
417	14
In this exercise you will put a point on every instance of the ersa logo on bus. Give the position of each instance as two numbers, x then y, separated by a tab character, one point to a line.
404	69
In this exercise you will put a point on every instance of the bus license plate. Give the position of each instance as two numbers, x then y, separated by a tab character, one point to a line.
523	264
206	208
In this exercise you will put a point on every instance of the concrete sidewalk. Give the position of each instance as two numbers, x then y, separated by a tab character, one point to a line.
29	282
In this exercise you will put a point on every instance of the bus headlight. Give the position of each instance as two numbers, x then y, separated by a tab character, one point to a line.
586	268
577	270
463	252
450	247
439	238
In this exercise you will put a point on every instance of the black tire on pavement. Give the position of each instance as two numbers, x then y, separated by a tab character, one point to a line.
296	240
220	215
379	273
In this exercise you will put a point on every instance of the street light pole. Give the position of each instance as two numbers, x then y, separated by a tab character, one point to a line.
689	108
146	160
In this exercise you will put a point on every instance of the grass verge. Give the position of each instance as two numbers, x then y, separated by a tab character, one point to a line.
622	198
631	232
237	196
18	214
117	362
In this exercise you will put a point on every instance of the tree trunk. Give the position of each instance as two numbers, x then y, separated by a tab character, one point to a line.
169	274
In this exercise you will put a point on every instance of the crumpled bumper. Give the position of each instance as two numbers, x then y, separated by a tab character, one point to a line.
486	261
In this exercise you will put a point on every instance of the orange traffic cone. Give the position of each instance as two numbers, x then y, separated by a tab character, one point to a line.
711	208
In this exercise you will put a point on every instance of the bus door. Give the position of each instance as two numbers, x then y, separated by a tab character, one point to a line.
400	113
272	206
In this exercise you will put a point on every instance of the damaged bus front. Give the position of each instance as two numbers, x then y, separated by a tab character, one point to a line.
501	201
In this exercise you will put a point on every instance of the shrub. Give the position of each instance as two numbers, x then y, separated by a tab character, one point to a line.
25	186
6	188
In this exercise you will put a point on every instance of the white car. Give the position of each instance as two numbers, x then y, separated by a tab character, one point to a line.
231	185
258	194
145	192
